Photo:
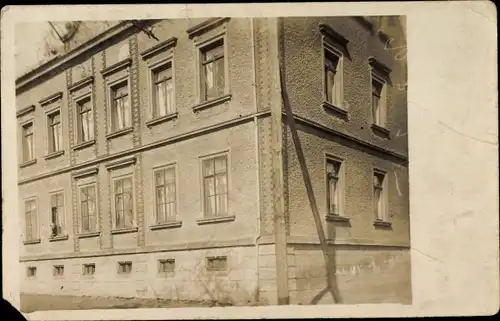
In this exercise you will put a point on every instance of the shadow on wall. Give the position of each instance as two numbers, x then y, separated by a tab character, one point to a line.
328	251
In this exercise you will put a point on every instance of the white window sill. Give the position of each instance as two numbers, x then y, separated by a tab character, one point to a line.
336	218
212	102
380	223
58	238
28	163
88	234
166	225
338	111
54	154
125	230
161	119
220	219
120	132
381	131
85	144
36	241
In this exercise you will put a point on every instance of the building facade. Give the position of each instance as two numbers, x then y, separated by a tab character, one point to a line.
240	160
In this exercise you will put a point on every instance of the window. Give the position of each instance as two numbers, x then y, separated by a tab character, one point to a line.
378	101
217	263
124	267
57	214
55	132
31	271
120	107
215	186
58	270
334	187
333	77
85	120
165	195
31	220
212	70
380	198
89	269
163	91
124	214
166	266
88	217
28	143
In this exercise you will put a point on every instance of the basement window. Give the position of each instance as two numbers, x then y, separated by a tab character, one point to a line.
217	263
89	269
124	267
166	265
31	271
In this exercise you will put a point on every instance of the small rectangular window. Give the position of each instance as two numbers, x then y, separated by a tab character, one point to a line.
333	77
55	132
31	271
120	107
124	207
215	186
57	214
166	265
217	263
28	142
124	267
380	197
58	270
89	269
213	71
335	187
378	102
85	120
31	220
163	91
165	189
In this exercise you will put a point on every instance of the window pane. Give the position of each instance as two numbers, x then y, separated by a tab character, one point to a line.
330	85
222	204
118	115
210	90
208	167
90	125
209	186
210	206
126	111
219	77
170	96
127	184
161	105
221	183
118	186
163	74
160	212
92	215
215	51
220	164
170	175
159	175
170	197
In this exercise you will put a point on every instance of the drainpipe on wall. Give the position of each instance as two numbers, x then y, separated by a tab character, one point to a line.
257	156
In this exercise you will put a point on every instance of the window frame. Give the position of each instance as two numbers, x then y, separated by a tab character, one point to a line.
228	183
341	185
28	123
119	264
209	258
64	212
112	86
55	270
35	238
113	204
78	103
200	47
162	261
29	274
382	107
176	183
154	67
96	210
384	217
50	137
331	49
85	270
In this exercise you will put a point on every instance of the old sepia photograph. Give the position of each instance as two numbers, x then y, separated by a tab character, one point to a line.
212	162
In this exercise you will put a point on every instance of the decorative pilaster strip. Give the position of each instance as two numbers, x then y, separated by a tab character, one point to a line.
136	105
94	110
74	199
105	89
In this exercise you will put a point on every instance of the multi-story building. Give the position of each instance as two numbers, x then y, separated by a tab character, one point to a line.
241	159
